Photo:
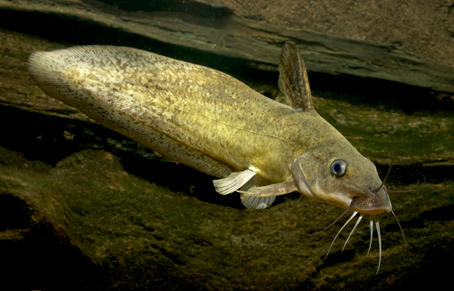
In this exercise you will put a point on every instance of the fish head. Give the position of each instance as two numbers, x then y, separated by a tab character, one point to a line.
334	172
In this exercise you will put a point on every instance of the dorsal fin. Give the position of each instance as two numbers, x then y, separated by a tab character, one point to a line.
293	81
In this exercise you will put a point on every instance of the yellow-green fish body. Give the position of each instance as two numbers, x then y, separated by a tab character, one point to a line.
212	122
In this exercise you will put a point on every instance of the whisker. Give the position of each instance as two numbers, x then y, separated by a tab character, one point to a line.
413	190
377	225
356	224
351	217
371	224
401	229
345	212
406	191
384	180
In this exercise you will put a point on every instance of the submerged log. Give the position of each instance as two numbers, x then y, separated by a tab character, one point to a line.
213	28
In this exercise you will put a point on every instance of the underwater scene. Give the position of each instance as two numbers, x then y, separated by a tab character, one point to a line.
226	144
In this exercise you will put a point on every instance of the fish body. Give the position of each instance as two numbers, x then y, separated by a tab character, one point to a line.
143	95
214	123
188	113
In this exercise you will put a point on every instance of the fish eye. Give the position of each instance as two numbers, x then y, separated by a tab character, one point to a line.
339	168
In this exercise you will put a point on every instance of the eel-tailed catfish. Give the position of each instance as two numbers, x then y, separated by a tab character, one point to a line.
214	123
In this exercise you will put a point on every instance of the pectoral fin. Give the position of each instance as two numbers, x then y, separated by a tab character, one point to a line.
262	197
293	80
271	190
233	182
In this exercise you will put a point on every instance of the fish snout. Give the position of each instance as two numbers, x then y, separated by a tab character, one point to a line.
373	202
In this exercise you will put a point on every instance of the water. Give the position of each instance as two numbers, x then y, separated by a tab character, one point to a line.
80	197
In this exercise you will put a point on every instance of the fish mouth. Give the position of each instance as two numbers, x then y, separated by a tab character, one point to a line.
371	202
371	205
373	221
370	211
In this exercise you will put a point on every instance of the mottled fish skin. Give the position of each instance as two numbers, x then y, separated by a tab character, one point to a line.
212	122
188	113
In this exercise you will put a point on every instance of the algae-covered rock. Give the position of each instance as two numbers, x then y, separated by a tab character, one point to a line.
148	236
